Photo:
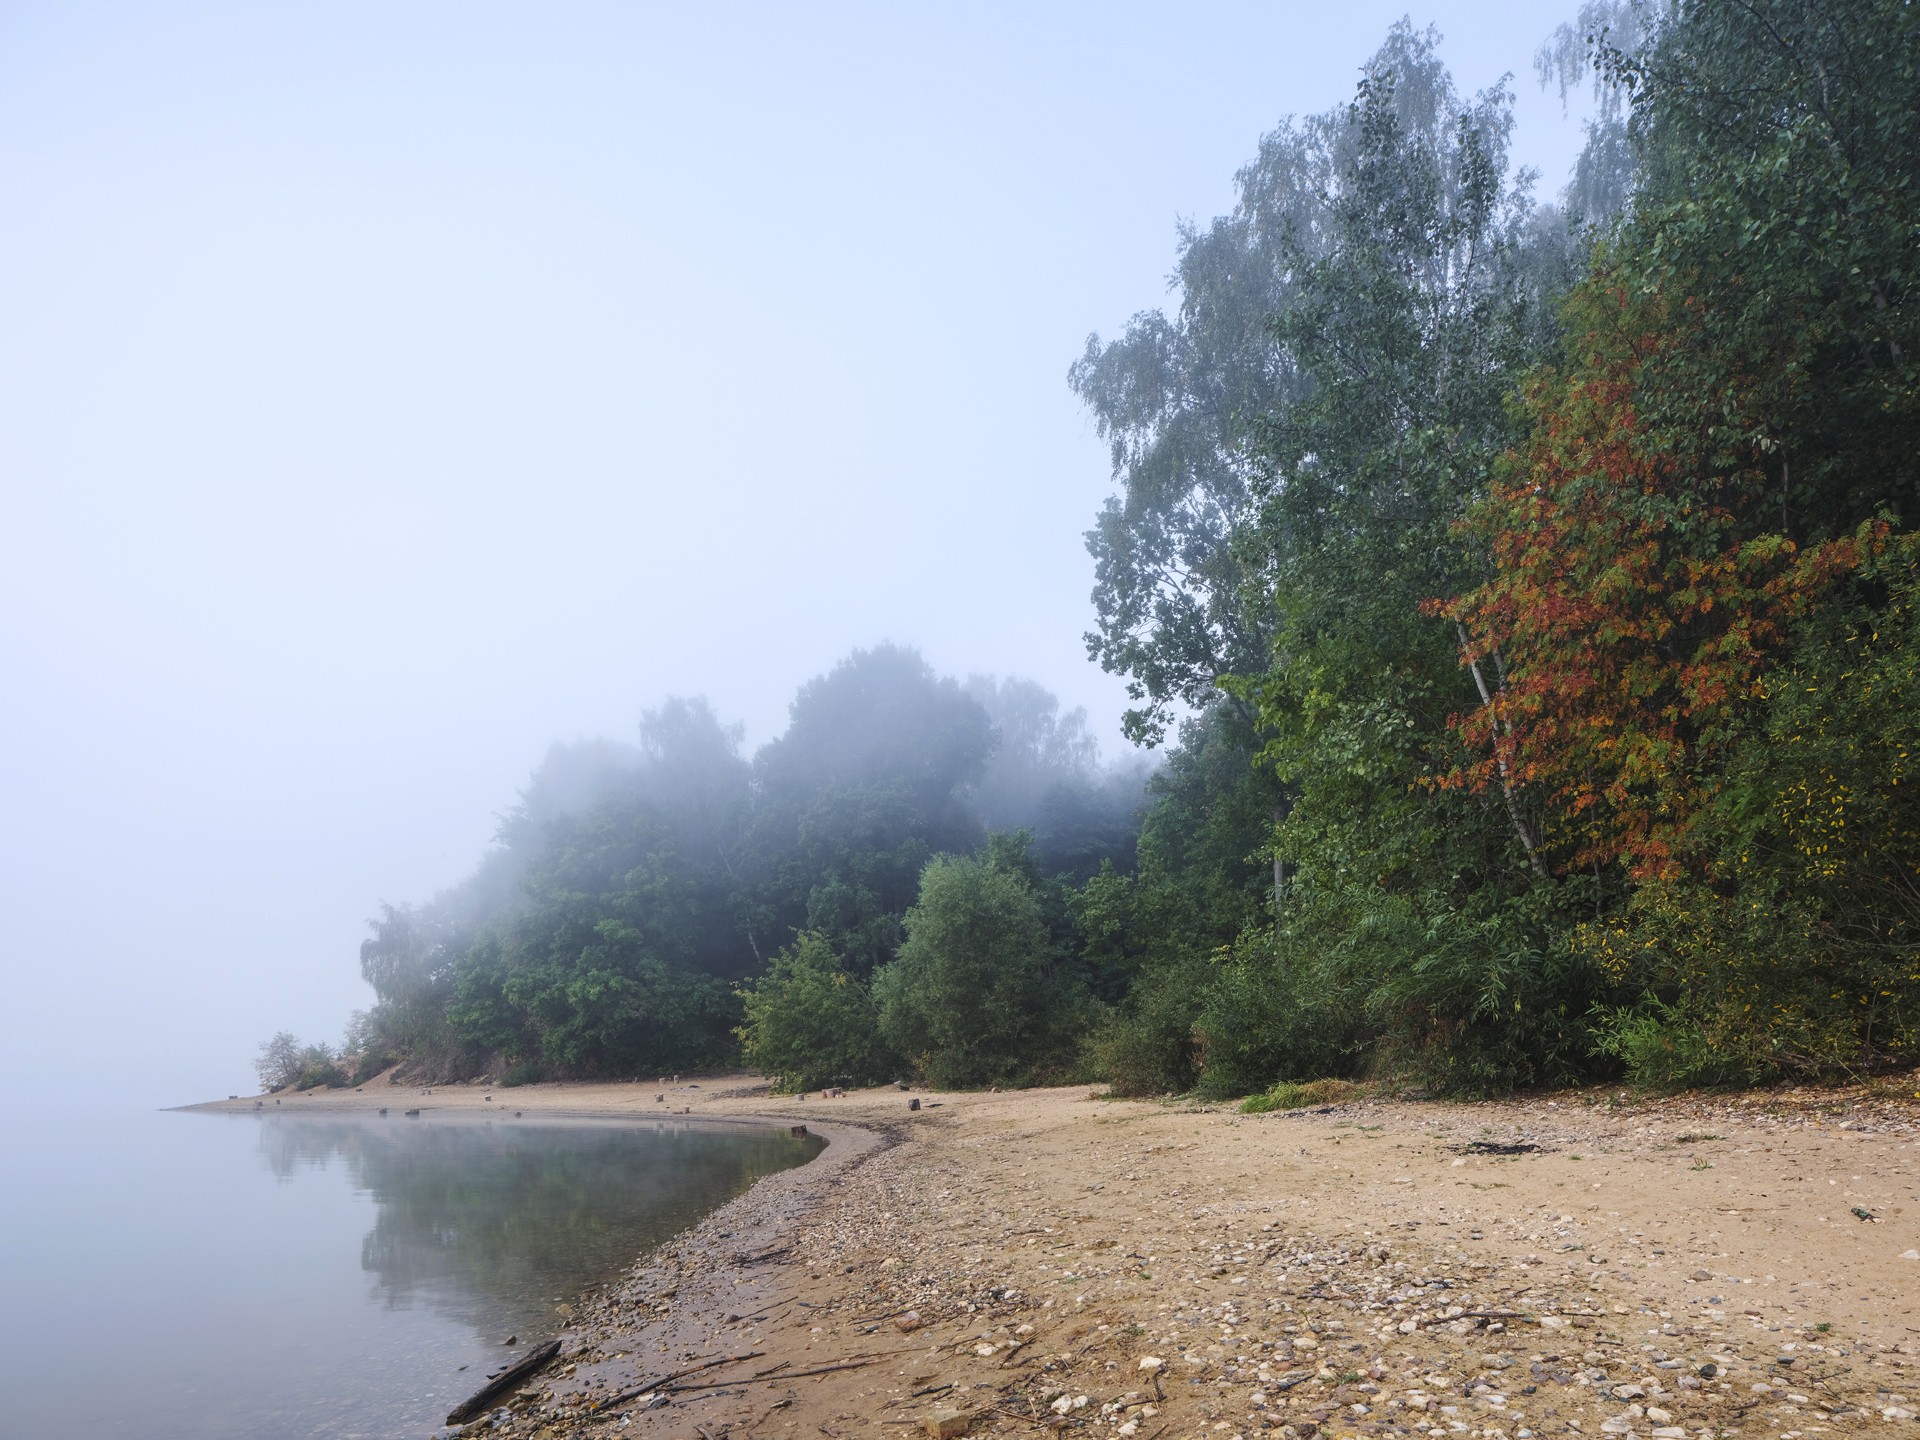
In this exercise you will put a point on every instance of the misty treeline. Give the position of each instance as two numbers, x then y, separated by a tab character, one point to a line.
1520	593
644	902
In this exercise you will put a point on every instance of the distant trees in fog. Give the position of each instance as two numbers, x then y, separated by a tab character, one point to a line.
646	902
284	1062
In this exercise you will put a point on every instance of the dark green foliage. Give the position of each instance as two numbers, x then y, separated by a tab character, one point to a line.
1271	1013
1404	291
1779	206
811	1023
1162	930
591	1000
1781	200
1179	399
976	996
320	1068
1146	1045
1293	492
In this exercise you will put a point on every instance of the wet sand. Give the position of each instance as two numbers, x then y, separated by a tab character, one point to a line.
1044	1260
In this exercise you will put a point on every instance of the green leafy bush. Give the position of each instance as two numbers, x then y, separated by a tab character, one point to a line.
1275	1012
810	1023
975	996
1666	1047
319	1065
1145	1045
285	1063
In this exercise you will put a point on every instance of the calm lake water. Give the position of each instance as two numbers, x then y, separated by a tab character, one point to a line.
188	1275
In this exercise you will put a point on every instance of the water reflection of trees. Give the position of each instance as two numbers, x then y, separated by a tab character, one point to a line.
489	1221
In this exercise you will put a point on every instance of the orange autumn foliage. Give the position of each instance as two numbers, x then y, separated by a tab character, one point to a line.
1636	590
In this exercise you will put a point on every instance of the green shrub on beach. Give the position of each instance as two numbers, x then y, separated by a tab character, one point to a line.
327	1073
1146	1045
285	1063
975	997
811	1023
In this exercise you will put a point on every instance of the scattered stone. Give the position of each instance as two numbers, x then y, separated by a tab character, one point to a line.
945	1424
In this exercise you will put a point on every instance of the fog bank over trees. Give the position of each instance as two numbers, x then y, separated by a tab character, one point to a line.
635	885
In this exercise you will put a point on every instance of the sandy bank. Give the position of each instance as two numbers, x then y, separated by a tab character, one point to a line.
1672	1268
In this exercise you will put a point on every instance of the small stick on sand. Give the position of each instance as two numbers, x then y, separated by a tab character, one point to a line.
640	1390
762	1380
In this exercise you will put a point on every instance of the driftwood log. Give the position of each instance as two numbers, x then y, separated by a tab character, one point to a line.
506	1380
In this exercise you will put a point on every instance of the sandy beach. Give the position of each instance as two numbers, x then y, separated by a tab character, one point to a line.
1587	1263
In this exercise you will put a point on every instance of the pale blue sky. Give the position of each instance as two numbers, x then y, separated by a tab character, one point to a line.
391	390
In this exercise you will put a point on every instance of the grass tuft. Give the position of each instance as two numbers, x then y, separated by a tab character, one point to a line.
1297	1095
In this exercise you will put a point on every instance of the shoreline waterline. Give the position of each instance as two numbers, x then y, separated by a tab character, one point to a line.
765	1217
1351	1269
324	1272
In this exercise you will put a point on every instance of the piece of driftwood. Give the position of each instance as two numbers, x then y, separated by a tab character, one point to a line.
753	1380
637	1391
506	1380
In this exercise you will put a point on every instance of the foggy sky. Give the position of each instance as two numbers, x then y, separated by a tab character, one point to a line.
390	391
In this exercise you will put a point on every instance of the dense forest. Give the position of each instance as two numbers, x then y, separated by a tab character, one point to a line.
1517	599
